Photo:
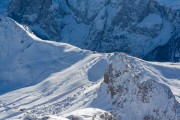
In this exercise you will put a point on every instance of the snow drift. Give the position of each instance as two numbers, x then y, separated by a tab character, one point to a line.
42	78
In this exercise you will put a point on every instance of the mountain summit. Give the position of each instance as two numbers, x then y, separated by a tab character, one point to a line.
43	78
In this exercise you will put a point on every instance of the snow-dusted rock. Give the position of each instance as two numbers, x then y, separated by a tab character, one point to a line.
167	52
90	114
48	117
56	79
137	96
82	114
135	27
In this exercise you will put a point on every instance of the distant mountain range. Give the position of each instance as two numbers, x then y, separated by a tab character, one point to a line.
137	27
44	78
71	60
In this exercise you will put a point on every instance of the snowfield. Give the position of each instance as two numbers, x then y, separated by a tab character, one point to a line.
49	80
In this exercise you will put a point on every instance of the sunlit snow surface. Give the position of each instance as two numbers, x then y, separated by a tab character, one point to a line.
48	78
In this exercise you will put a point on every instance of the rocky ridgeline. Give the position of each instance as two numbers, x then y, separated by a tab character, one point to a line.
136	27
135	96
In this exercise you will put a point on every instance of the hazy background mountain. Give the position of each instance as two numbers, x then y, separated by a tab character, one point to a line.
135	27
41	77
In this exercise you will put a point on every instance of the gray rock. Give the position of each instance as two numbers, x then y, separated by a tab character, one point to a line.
99	25
137	97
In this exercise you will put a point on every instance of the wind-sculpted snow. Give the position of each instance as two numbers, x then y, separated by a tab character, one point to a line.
101	25
49	80
26	61
52	77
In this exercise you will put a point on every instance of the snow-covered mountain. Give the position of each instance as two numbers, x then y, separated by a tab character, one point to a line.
49	80
138	92
168	52
25	61
43	71
136	27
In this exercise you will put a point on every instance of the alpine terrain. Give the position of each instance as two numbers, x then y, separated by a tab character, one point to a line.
71	60
136	27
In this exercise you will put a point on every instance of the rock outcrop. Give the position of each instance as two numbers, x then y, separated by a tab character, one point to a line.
135	27
168	52
137	96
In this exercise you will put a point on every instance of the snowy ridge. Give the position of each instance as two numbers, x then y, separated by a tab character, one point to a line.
138	93
62	74
43	78
135	27
30	58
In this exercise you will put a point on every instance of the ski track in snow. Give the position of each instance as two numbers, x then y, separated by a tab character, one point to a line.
69	77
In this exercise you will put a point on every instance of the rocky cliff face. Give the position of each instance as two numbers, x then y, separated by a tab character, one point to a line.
168	52
135	27
137	96
62	78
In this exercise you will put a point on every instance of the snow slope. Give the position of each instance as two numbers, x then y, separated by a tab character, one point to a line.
151	20
59	68
25	61
135	27
47	78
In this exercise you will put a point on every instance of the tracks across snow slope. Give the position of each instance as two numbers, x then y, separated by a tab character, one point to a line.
43	73
42	77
